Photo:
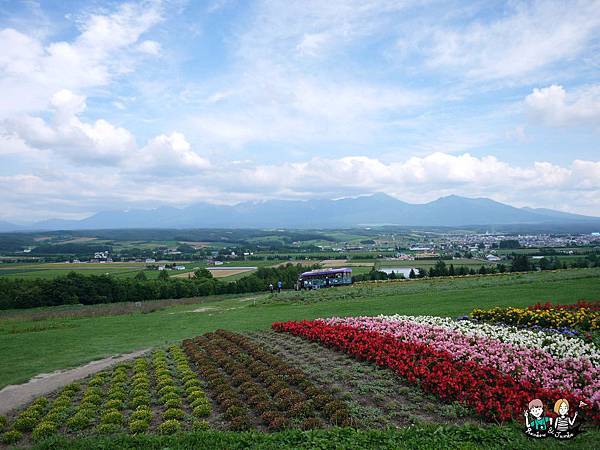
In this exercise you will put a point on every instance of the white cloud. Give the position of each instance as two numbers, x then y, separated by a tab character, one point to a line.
527	38
100	142
574	187
150	47
311	43
553	106
30	71
168	154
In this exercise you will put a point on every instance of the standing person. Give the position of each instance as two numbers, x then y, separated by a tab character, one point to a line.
271	287
279	284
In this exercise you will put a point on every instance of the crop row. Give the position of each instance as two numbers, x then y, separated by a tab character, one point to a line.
493	394
256	388
158	394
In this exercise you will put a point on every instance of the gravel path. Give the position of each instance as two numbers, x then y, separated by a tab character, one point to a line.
17	395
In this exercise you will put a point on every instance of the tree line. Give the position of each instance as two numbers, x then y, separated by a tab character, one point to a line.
518	263
76	288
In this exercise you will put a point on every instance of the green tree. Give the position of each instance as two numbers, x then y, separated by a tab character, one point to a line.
163	275
520	263
140	276
203	273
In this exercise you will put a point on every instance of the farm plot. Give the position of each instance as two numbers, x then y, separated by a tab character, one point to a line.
159	394
255	389
489	368
377	398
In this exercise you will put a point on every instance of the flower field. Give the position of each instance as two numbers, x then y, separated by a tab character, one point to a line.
581	316
333	372
493	369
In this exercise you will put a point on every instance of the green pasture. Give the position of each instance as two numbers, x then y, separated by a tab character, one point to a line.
29	347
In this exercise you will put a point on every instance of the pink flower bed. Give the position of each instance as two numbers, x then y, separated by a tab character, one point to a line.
533	365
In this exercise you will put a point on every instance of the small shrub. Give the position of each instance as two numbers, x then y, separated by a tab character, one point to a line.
191	382
203	410
170	396
93	398
239	423
234	411
173	403
200	425
11	437
72	388
41	401
108	428
169	427
167	390
138	426
117	395
112	416
311	423
3	423
43	430
61	402
25	423
195	394
114	404
141	415
141	401
173	413
57	415
79	421
278	423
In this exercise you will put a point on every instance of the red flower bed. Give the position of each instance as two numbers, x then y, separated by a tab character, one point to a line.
592	306
494	395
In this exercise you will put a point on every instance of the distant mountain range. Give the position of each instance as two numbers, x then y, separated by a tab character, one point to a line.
372	210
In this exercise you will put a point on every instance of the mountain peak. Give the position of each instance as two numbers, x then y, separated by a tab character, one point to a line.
375	209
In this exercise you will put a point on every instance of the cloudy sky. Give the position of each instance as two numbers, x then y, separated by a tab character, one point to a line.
113	105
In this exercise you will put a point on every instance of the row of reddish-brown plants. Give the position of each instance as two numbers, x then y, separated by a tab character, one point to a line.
241	375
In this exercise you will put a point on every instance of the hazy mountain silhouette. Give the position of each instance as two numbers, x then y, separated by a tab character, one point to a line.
376	209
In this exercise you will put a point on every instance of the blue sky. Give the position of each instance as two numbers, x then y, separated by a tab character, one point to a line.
118	105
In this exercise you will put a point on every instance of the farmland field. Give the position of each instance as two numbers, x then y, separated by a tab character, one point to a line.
43	345
253	378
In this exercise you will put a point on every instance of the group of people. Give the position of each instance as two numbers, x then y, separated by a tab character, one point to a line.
279	286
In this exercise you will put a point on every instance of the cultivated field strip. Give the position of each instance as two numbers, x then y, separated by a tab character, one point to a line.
376	397
159	393
256	389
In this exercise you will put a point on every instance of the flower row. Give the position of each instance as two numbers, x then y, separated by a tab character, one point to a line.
493	394
586	319
533	365
558	345
592	306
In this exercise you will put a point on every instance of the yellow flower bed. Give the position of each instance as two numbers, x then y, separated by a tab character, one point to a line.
581	318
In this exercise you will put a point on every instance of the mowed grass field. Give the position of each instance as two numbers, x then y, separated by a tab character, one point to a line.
29	347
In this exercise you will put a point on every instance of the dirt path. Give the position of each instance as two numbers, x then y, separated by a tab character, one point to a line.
17	395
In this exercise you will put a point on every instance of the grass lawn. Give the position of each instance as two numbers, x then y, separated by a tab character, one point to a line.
30	347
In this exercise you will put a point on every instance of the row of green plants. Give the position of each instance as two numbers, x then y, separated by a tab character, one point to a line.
159	394
41	418
256	388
